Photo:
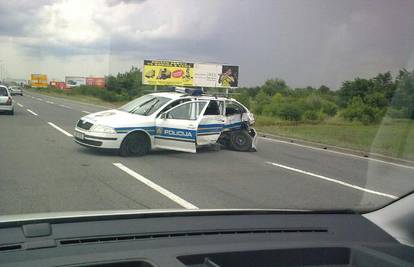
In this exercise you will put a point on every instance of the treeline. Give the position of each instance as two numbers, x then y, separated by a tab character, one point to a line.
364	100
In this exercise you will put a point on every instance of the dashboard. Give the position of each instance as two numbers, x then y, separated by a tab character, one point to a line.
202	239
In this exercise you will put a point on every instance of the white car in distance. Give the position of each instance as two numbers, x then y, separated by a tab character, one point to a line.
6	100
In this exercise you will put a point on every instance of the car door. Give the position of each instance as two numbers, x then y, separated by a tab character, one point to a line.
177	128
212	123
234	115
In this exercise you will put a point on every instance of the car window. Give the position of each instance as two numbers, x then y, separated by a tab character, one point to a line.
189	111
173	104
3	91
233	108
213	108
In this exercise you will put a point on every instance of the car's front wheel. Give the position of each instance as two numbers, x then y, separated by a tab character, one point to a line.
135	144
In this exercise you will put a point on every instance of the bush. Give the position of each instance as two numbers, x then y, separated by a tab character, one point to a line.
291	112
359	111
329	108
398	113
311	115
313	102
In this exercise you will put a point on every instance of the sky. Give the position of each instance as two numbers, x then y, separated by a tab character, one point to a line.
307	42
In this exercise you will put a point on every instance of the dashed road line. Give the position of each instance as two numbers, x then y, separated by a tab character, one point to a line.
59	129
20	105
50	102
84	111
333	180
339	153
156	187
63	106
34	113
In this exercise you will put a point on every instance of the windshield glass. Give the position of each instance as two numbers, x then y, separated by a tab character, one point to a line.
145	105
180	104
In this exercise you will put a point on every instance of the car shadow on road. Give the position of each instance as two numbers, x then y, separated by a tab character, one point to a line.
114	153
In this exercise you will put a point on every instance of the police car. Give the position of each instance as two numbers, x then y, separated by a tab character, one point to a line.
179	121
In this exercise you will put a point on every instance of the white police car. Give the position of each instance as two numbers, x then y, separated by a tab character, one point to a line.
169	120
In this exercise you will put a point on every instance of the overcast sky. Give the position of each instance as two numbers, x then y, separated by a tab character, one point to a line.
307	42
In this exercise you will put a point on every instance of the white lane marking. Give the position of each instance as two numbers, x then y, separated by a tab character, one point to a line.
39	99
32	112
333	180
60	129
84	111
339	153
20	105
63	106
50	102
156	187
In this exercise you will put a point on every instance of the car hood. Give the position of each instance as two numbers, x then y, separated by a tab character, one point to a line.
116	118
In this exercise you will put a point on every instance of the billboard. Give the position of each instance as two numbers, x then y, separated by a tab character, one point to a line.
177	73
73	81
95	81
38	80
58	85
158	72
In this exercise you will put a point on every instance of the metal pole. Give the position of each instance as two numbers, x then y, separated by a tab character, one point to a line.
227	92
155	88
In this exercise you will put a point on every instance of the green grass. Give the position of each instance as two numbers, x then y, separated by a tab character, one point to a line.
391	137
76	97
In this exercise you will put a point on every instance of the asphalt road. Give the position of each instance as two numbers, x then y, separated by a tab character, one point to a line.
43	170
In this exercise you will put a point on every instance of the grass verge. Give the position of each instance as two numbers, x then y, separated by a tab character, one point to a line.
391	137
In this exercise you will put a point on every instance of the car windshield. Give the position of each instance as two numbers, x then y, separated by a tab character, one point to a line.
145	105
180	104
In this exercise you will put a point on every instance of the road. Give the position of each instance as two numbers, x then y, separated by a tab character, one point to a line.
43	170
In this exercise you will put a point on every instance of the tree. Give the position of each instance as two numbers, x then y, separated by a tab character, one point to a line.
274	86
324	89
356	88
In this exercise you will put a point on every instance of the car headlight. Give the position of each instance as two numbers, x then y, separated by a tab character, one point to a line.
103	129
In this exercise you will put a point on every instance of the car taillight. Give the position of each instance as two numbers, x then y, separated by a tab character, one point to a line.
9	101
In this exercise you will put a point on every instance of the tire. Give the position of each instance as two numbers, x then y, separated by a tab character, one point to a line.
11	112
135	144
240	140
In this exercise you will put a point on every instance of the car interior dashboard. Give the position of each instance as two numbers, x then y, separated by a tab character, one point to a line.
202	239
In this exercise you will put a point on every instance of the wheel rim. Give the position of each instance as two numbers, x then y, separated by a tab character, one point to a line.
134	146
240	140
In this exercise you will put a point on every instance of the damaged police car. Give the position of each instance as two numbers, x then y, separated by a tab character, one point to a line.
169	120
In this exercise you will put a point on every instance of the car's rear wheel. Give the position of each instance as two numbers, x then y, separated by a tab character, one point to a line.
240	140
135	144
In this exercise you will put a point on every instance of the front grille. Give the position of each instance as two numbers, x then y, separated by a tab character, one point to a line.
84	125
89	142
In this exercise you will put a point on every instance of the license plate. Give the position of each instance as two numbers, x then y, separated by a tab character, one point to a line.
79	135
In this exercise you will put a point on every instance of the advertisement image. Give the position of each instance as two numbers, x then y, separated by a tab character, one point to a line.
96	81
38	80
229	76
159	72
73	81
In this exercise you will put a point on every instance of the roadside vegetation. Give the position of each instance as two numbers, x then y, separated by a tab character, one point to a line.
374	115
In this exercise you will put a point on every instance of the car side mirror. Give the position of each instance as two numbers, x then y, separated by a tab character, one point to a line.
163	116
